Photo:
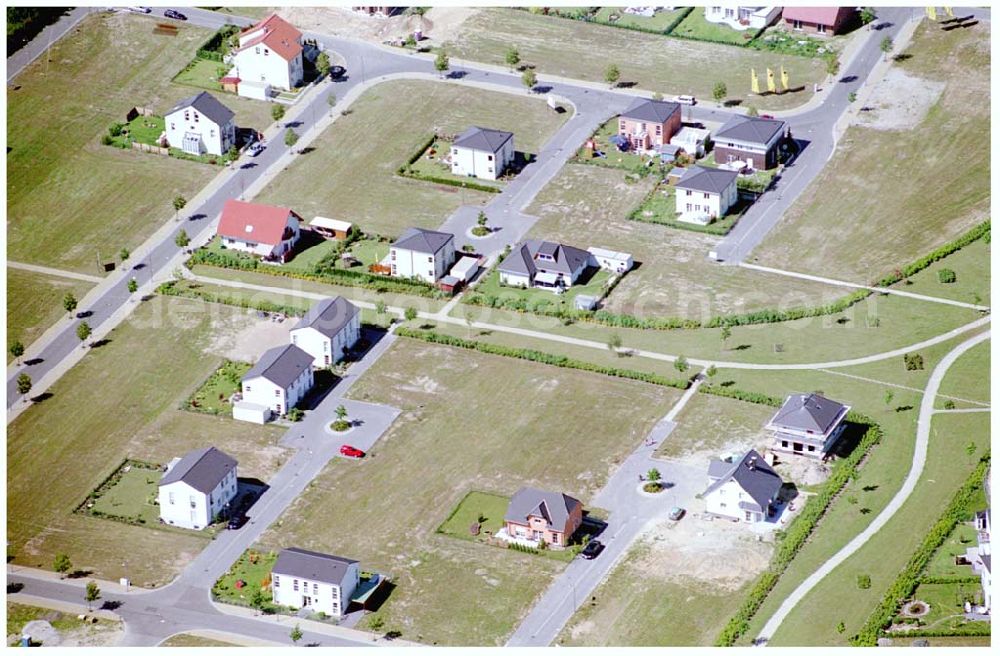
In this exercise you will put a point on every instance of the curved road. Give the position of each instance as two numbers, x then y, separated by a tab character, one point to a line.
916	469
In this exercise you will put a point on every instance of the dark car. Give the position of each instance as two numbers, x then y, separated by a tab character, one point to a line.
83	314
593	548
337	72
176	15
237	520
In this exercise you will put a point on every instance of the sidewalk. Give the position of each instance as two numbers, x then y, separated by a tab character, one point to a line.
44	40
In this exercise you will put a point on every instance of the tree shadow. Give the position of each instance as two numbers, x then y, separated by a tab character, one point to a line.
306	150
111	605
197	217
44	396
79	574
14	588
99	343
33	361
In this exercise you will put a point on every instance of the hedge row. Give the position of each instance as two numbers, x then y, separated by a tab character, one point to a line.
948	579
908	579
407	172
801	528
540	356
979	628
978	232
212	48
741	395
171	289
109	481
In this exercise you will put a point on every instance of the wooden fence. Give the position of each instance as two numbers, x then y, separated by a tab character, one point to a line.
146	148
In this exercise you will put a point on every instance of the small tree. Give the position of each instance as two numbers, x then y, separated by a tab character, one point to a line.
133	286
468	325
970	450
410	313
727	332
888	397
612	75
512	57
123	254
291	137
69	302
23	384
16	349
380	307
441	63
179	203
529	79
257	599
296	634
681	364
886	47
182	239
867	15
341	412
481	219
62	564
83	331
840	627
278	112
323	64
752	111
719	91
614	342
92	594
864	581
832	64
852	96
711	371
657	96
653	475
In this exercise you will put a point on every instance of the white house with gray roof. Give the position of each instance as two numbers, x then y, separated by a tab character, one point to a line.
808	425
544	264
196	488
705	194
743	490
482	153
423	254
201	124
317	581
279	380
331	327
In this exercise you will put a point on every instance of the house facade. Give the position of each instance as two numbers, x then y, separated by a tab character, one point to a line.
743	18
807	425
201	124
817	20
482	153
983	560
613	261
649	124
265	230
196	488
704	194
543	264
328	330
745	489
270	53
423	254
540	516
750	139
317	581
279	380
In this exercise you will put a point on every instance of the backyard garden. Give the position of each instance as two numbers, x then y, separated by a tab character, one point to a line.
214	394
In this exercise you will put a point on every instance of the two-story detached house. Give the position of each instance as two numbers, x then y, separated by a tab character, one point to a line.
265	230
807	424
331	327
317	581
196	488
545	264
423	254
704	194
649	124
279	380
482	153
541	516
201	124
269	53
745	490
751	140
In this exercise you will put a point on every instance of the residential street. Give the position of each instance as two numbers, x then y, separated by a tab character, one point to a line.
52	33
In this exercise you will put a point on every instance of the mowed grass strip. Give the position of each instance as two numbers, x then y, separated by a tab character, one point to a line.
972	276
69	198
387	124
581	50
116	404
34	303
968	378
551	428
872	208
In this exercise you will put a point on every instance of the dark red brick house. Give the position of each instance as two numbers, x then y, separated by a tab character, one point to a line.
750	139
817	20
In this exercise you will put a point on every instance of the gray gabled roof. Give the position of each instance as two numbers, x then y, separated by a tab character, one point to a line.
750	128
312	565
521	260
808	412
654	111
423	241
486	139
208	105
555	507
281	365
703	178
329	316
755	476
202	469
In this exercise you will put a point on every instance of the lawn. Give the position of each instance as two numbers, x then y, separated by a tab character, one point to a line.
254	569
214	394
659	21
943	561
34	303
367	191
74	632
972	276
946	602
144	129
695	26
581	50
713	425
82	432
132	496
452	591
192	640
203	74
482	508
674	276
614	158
431	164
870	210
661	208
62	184
593	282
968	378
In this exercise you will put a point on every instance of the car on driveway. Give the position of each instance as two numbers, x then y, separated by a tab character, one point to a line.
237	520
255	149
676	513
176	15
593	548
351	452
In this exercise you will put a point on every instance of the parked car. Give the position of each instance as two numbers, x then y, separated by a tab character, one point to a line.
685	100
255	149
676	513
593	548
140	10
176	15
337	72
237	520
351	452
768	116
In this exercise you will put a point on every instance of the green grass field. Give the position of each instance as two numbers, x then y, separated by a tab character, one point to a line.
452	591
34	303
367	191
583	51
869	211
943	561
254	569
481	508
968	378
658	21
696	27
972	276
82	432
213	395
708	423
593	285
69	198
132	496
202	74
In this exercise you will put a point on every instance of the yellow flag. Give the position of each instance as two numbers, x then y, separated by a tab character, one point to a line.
770	80
949	12
784	78
932	13
754	83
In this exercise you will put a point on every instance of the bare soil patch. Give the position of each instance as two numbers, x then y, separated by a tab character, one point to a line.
900	101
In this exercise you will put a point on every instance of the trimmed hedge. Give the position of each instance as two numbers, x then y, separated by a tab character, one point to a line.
948	579
212	48
406	172
908	579
542	357
170	289
741	395
974	628
980	231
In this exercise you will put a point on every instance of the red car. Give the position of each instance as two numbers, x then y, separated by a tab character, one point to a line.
351	452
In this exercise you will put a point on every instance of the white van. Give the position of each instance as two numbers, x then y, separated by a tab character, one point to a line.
685	100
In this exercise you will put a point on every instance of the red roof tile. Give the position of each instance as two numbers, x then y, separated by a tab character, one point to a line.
819	15
279	35
263	224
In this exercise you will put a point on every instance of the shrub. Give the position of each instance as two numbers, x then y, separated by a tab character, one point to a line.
340	425
913	361
106	140
681	364
864	581
295	414
116	129
946	276
278	112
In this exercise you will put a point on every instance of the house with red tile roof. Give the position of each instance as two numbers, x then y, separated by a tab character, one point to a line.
264	230
270	53
817	20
